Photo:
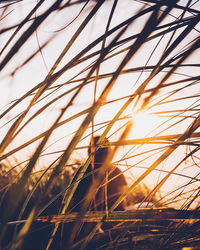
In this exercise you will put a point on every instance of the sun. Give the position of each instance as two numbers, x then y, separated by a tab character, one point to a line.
143	124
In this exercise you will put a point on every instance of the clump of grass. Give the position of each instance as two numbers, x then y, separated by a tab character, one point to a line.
7	177
139	196
51	204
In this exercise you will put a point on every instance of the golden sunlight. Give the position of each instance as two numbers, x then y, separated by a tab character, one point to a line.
143	124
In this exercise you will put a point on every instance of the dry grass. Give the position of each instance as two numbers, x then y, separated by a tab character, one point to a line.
90	67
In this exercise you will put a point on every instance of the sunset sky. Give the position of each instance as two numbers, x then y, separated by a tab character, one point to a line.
172	103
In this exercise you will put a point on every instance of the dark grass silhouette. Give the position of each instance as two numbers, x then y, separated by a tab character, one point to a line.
128	235
40	232
110	186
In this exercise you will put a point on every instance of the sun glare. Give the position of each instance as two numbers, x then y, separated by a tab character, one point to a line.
143	124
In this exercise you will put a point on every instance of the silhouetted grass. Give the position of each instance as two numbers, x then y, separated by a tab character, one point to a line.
104	63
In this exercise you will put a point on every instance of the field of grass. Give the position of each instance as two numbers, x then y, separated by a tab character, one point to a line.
143	228
126	70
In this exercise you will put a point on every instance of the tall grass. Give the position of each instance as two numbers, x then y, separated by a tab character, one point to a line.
75	69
